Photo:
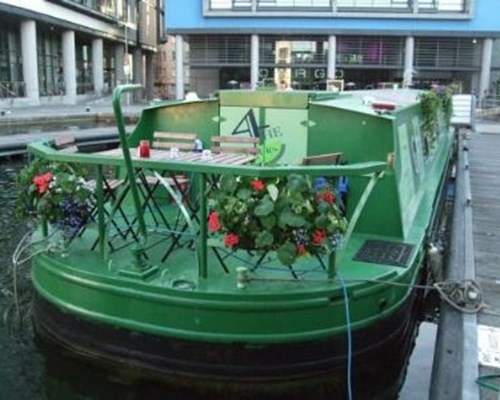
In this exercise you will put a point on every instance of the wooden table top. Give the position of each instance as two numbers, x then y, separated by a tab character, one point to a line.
190	156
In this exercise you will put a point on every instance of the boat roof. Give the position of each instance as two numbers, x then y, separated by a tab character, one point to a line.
361	100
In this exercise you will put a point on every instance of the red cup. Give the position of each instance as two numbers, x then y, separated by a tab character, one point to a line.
144	149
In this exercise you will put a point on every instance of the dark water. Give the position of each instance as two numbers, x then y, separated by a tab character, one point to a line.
32	370
40	126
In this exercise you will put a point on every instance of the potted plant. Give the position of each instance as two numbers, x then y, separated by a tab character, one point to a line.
57	194
293	215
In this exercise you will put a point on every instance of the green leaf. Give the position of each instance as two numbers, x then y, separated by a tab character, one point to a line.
297	183
228	183
244	193
240	207
269	221
323	207
291	219
321	221
265	207
273	192
264	239
287	253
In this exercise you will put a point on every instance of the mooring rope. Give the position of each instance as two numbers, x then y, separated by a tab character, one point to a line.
16	262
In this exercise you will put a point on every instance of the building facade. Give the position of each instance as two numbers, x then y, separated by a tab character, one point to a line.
165	72
363	43
67	50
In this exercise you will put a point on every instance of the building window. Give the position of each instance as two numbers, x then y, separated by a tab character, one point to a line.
339	6
317	5
83	68
109	67
116	9
235	5
370	50
447	53
275	50
11	67
442	6
219	50
50	64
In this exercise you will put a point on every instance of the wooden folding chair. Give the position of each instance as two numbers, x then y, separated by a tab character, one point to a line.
323	159
234	144
68	144
169	140
179	182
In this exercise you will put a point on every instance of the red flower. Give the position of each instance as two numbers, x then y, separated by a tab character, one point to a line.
318	236
329	197
231	240
301	249
213	222
42	181
257	185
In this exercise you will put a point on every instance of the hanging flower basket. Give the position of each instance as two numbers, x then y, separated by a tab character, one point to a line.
56	193
291	215
436	107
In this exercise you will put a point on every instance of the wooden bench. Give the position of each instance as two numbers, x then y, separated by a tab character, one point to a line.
234	144
169	140
322	159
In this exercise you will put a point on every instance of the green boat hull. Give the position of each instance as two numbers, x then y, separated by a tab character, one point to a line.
178	315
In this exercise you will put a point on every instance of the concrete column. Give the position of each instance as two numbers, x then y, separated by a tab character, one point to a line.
98	65
30	60
69	66
409	71
150	76
138	72
119	60
254	61
484	82
332	56
179	67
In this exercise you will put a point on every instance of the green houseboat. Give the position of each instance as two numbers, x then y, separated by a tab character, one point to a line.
261	242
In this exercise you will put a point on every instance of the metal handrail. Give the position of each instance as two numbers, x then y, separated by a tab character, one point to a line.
12	89
371	170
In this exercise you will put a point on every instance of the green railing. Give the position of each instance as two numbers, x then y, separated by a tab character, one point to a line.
200	174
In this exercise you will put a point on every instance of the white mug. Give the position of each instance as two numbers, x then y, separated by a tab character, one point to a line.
174	153
206	155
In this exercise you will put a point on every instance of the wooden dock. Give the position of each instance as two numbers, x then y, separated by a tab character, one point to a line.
474	253
484	149
11	145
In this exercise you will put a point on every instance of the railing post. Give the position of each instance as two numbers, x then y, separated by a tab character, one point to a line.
45	227
141	269
100	210
332	262
202	244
